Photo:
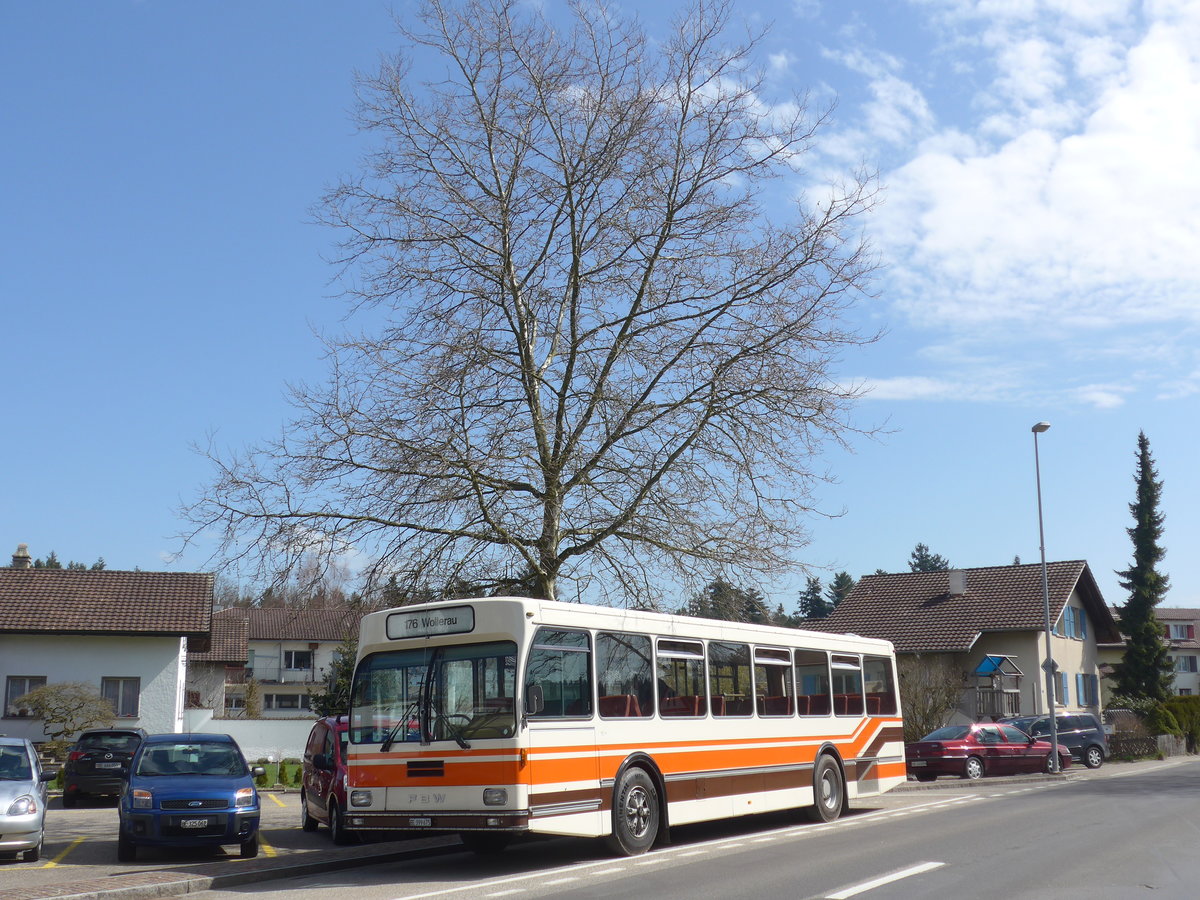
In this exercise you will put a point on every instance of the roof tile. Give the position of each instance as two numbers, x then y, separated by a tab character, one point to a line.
916	611
69	601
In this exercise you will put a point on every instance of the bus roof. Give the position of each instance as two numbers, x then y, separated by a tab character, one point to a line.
584	615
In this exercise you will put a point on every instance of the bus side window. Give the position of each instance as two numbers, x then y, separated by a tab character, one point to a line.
880	687
680	670
773	682
624	675
847	685
812	683
560	664
730	682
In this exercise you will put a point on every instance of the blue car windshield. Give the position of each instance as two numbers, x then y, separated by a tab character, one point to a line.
195	758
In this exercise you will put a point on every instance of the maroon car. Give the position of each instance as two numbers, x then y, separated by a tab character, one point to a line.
984	748
323	796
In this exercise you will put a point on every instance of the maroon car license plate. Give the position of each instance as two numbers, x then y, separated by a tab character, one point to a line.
193	823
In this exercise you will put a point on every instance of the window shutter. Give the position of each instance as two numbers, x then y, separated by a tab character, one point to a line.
1191	632
1080	693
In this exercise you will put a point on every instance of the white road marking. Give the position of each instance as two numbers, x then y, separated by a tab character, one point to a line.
884	879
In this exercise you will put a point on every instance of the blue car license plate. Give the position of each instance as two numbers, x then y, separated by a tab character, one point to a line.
193	823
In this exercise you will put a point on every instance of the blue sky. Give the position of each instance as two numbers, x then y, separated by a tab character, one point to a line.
1040	159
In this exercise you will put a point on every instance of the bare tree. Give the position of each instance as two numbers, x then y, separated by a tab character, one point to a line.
931	687
65	709
603	333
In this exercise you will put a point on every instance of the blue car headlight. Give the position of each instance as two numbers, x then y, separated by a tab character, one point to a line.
142	800
245	797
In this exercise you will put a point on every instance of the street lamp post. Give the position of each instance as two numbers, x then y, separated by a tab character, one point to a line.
1049	665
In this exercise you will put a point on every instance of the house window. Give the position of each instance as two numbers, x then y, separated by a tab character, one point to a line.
123	694
1062	695
1185	664
285	701
297	659
1073	623
1181	632
1185	692
1087	689
19	686
235	701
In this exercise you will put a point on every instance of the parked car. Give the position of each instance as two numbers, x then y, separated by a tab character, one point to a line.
22	799
1082	734
98	762
972	751
323	791
189	790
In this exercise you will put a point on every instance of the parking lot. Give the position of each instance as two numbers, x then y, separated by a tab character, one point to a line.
81	845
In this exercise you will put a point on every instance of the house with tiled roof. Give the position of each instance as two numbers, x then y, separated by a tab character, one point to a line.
123	633
286	652
990	624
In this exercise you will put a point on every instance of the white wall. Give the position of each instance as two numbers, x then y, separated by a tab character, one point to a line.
88	659
273	739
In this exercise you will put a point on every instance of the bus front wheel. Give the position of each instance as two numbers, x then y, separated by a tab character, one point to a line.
635	813
828	790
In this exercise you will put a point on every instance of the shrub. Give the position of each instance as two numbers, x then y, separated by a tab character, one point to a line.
1186	711
1160	720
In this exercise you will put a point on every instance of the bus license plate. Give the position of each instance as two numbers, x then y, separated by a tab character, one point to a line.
918	762
420	823
193	823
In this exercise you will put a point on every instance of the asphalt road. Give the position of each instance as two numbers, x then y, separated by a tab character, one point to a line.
81	847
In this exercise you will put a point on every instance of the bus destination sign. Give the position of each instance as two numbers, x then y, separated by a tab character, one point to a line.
451	620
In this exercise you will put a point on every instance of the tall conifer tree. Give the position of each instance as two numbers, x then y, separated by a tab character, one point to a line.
1145	671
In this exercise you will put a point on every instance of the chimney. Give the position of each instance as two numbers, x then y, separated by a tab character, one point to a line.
958	582
21	559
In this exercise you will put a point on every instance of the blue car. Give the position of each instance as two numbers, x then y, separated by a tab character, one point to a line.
189	790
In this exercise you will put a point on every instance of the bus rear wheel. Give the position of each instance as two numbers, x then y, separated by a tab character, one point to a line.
828	790
635	813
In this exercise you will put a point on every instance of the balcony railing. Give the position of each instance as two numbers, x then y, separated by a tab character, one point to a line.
277	675
994	704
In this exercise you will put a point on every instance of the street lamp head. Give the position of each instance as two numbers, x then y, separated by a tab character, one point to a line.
1041	427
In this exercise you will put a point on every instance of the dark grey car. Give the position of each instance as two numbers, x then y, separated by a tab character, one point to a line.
1082	733
99	763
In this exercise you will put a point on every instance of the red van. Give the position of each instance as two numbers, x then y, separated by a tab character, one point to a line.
323	794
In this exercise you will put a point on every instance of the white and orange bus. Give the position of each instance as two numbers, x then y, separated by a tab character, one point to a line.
498	716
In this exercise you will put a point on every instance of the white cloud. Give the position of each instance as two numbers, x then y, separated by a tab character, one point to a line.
1101	396
1086	226
908	387
780	62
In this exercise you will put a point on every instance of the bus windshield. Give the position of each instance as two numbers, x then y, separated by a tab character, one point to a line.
458	693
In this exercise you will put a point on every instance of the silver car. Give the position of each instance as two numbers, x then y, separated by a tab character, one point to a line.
22	799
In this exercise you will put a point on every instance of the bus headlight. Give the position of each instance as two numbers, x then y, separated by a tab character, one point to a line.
360	798
495	797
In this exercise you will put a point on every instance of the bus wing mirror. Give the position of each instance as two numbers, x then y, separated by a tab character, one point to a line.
535	701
